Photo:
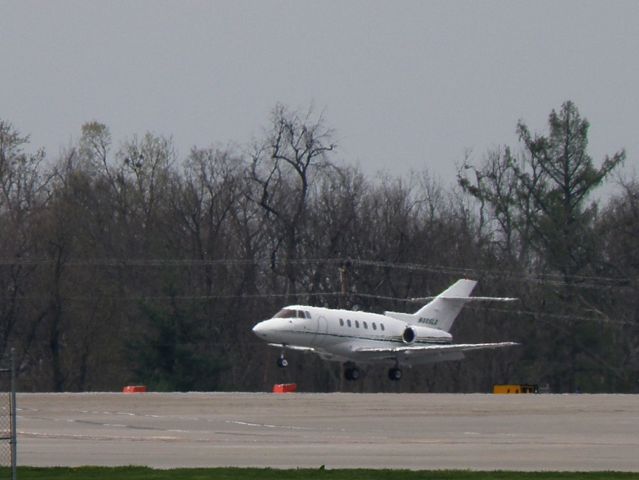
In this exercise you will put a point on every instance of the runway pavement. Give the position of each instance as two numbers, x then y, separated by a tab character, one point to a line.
418	431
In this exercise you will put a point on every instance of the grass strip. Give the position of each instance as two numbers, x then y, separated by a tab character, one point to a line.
145	473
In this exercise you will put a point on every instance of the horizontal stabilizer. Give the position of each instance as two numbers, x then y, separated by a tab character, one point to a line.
466	299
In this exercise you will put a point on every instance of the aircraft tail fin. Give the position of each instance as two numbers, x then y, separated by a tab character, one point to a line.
442	310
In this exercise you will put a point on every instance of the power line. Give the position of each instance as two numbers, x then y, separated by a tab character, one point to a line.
558	316
577	281
520	312
206	297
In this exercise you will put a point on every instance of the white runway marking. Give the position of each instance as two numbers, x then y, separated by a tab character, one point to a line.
266	425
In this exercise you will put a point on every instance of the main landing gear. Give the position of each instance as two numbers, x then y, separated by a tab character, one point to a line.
395	374
351	372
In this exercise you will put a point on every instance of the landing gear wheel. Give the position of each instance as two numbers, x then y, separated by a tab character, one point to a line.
352	373
282	362
395	374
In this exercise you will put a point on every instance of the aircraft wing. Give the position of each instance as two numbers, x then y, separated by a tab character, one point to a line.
293	347
434	349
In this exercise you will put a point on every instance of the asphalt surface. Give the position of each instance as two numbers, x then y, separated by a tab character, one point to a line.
420	431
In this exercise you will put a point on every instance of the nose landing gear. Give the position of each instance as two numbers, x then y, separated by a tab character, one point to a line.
282	362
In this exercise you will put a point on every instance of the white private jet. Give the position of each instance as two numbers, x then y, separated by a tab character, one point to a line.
396	339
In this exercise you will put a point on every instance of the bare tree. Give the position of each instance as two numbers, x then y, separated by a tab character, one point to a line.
283	168
24	193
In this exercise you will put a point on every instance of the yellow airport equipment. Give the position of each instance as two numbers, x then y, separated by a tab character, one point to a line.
522	388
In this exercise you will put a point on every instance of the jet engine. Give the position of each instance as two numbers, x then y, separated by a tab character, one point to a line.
409	335
414	332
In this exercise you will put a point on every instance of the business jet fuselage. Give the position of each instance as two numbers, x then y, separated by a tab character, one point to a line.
355	337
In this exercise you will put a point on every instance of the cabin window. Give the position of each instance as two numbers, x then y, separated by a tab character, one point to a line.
356	324
308	315
365	325
374	326
381	325
341	322
348	322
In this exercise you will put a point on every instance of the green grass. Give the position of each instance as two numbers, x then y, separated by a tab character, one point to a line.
143	473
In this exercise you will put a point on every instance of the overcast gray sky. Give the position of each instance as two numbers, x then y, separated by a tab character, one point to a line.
406	84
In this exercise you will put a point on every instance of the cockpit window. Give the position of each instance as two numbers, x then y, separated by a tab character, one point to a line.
286	313
289	313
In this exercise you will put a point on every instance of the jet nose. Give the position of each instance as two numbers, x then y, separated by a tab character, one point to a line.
260	329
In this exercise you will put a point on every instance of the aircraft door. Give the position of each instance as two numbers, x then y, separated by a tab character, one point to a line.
321	330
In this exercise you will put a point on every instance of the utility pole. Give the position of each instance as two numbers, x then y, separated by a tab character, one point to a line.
14	436
345	284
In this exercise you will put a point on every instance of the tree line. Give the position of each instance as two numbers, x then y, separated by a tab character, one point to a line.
127	264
